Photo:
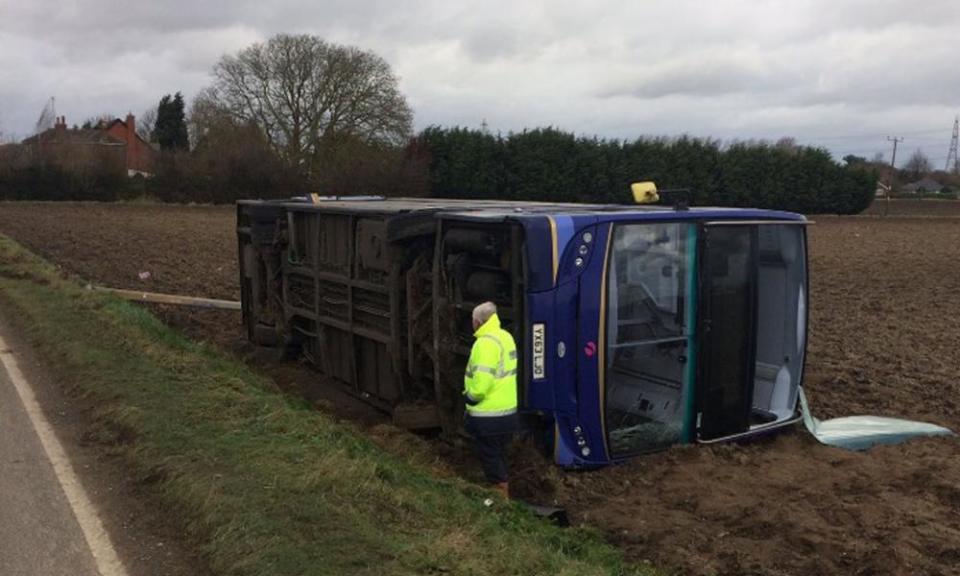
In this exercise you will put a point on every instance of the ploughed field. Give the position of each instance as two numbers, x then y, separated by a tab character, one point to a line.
885	339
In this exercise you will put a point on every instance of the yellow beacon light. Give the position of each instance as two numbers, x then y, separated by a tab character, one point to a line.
644	192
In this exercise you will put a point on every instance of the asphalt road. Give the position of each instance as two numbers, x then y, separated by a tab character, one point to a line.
39	533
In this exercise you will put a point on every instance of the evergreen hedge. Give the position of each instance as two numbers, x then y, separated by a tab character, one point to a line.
552	165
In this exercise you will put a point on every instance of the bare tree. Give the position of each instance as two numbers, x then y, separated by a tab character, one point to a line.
146	122
207	114
308	96
918	165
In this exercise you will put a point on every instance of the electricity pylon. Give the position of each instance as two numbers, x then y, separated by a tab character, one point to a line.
953	147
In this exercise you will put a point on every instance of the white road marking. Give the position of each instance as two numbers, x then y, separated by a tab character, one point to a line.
106	558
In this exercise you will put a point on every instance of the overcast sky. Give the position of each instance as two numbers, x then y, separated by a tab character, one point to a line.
841	74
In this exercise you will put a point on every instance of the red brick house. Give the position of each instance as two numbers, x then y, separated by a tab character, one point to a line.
114	145
141	156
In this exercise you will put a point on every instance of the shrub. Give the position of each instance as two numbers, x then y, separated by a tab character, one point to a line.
50	182
548	164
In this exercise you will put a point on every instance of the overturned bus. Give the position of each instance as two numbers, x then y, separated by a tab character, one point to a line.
637	327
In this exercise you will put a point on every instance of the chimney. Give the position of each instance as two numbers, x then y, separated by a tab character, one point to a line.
60	124
132	143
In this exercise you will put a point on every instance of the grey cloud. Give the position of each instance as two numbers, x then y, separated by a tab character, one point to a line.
492	43
702	76
725	68
893	66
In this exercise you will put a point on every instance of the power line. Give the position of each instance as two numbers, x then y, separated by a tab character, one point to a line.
876	135
855	149
864	146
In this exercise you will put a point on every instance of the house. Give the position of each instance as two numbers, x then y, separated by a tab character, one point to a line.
112	145
924	185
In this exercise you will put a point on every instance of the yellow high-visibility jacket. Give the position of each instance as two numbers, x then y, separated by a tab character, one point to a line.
490	382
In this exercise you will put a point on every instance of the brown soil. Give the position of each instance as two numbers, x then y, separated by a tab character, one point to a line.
884	299
920	207
180	249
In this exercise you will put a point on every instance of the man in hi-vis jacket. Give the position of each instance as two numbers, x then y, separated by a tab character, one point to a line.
490	390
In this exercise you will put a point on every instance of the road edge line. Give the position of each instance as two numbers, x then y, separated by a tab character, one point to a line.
98	540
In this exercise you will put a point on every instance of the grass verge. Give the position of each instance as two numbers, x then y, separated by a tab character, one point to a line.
263	484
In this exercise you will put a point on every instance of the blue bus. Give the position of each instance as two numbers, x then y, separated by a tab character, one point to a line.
637	326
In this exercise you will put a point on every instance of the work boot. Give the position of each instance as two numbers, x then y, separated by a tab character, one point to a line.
503	488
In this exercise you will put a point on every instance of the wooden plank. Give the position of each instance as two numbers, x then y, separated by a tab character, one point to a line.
170	298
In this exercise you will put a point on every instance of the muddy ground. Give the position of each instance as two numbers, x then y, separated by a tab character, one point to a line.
885	298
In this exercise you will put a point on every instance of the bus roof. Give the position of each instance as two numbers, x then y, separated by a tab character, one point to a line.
501	209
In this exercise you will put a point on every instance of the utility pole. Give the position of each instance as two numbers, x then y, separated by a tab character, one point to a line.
953	147
893	170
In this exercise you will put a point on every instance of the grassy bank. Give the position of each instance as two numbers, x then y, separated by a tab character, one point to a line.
262	484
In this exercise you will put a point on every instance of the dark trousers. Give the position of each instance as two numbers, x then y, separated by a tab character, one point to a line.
492	451
491	438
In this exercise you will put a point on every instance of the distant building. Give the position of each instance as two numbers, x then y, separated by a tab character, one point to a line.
924	185
112	145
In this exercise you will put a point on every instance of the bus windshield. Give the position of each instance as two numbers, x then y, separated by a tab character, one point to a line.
650	320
